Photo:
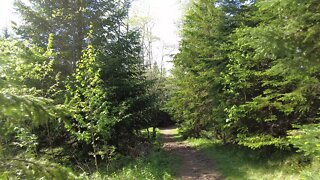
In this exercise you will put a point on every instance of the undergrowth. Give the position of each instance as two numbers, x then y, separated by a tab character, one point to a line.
158	164
237	162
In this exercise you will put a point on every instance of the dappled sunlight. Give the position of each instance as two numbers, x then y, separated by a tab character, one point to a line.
160	89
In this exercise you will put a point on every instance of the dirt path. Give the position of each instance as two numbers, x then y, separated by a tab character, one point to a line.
195	164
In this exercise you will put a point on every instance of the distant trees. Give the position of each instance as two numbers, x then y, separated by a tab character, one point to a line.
248	71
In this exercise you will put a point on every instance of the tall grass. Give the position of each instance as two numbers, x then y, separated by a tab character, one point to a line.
236	162
158	164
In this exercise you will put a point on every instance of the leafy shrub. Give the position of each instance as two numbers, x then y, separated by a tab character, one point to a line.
307	139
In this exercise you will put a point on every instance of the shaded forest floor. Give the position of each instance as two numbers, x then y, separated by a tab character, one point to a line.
194	163
208	159
173	157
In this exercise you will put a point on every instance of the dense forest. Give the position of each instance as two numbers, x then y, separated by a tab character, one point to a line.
76	92
73	87
248	73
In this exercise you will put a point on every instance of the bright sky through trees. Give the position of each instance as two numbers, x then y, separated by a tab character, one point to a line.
6	12
87	86
165	14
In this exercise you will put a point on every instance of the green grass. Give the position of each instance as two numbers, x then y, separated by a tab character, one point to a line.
159	164
175	131
176	135
235	162
232	161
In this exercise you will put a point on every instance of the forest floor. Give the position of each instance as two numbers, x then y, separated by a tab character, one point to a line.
194	163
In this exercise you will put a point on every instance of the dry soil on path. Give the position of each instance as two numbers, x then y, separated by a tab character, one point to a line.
195	164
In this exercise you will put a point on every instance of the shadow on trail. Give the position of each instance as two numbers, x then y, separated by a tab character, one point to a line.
229	161
195	164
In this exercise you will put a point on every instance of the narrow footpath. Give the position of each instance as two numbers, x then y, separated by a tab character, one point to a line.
195	164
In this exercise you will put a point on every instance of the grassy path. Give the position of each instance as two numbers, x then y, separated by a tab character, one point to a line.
175	158
194	163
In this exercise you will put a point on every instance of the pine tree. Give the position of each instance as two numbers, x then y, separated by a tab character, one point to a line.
69	22
201	65
249	72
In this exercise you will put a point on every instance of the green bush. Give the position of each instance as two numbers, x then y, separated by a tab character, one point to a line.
307	139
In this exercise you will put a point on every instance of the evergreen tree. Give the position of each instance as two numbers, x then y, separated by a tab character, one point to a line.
277	56
118	58
202	63
69	22
248	70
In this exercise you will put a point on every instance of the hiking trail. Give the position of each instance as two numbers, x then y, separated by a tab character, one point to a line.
195	164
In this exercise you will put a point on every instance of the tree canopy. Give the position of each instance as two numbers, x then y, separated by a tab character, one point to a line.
77	86
248	72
